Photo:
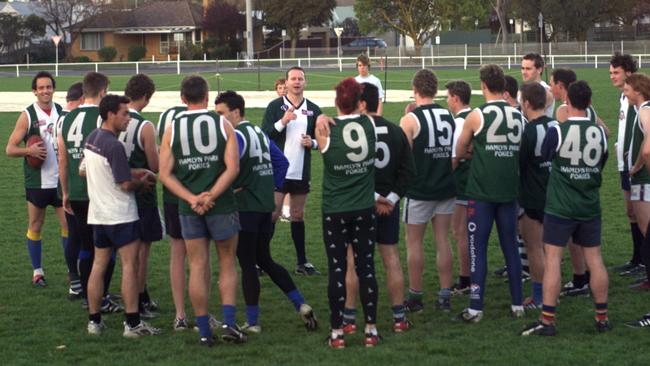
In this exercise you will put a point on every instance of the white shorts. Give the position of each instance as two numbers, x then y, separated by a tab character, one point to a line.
640	192
421	212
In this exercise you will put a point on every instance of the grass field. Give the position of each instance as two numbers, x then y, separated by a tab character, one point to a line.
36	323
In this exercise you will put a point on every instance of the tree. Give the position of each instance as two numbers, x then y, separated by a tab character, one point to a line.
418	19
293	15
66	17
350	27
576	16
17	34
223	22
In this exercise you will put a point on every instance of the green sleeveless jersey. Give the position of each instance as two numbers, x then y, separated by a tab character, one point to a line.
432	148
533	169
462	169
132	141
76	127
573	186
255	179
349	165
494	169
636	143
629	131
164	122
198	144
57	132
43	125
394	164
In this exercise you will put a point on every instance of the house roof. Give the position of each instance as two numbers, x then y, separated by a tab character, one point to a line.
21	8
152	17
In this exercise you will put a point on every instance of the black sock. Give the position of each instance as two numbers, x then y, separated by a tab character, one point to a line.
587	276
298	236
132	319
141	301
637	243
95	318
146	299
464	281
579	280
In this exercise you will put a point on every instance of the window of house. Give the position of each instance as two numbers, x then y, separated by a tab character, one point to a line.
197	36
165	40
92	41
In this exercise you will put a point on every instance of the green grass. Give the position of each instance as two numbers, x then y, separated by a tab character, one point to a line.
34	322
316	79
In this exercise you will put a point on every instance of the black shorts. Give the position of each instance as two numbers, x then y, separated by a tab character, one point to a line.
557	231
388	227
150	226
535	214
292	186
43	197
625	180
116	236
172	222
255	222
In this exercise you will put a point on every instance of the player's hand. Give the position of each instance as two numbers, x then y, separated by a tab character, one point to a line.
305	141
66	205
196	204
289	116
635	169
323	123
383	206
37	150
410	107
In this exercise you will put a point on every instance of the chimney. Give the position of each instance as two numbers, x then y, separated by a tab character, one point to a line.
205	7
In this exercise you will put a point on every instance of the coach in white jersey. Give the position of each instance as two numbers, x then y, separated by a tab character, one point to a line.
363	66
532	67
39	119
290	121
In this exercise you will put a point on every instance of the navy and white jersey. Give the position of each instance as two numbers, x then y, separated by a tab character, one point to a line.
106	167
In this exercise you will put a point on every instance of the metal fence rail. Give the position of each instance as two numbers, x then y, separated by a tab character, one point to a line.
447	56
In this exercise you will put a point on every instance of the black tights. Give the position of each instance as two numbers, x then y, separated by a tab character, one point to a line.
255	248
356	228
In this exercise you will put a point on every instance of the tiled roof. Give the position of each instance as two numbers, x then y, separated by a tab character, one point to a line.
158	14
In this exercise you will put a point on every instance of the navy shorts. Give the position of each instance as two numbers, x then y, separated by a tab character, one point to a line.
557	231
150	226
172	222
214	227
256	222
43	197
625	180
388	227
535	214
292	186
116	236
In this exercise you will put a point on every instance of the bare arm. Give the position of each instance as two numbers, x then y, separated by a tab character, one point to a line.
549	99
562	113
20	131
148	140
409	126
323	131
472	124
602	124
63	173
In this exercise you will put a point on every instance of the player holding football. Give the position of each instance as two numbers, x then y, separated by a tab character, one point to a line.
39	119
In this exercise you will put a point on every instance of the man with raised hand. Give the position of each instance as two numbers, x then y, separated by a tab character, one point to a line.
290	121
39	119
198	163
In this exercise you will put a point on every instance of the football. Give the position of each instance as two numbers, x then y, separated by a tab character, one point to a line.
35	163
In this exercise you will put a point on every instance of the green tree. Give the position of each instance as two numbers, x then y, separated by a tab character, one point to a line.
577	16
17	34
223	22
293	15
418	19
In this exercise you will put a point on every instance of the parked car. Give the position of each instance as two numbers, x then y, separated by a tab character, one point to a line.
377	46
